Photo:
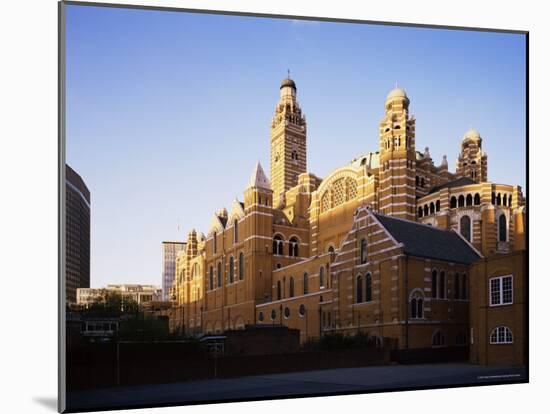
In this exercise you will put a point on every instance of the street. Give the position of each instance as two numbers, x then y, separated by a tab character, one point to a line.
295	384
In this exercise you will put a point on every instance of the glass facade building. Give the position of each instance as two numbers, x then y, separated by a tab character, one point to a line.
77	234
169	253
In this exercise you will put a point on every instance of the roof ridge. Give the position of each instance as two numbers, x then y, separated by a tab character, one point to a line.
414	222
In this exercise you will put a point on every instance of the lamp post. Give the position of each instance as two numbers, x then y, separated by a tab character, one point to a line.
320	325
305	314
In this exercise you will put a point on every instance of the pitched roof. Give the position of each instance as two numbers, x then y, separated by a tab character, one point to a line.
455	183
258	178
422	240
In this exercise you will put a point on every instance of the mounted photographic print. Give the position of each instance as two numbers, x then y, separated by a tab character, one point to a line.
218	245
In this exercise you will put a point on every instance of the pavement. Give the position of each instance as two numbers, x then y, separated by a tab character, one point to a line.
323	382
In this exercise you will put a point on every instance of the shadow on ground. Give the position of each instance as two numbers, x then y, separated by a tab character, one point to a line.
48	402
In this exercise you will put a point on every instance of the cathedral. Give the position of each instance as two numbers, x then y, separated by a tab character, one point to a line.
391	244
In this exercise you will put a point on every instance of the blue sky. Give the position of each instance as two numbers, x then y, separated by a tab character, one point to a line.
167	113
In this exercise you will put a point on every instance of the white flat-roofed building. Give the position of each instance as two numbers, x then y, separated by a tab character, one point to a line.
139	293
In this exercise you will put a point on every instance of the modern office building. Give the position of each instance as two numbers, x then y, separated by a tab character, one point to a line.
77	234
170	250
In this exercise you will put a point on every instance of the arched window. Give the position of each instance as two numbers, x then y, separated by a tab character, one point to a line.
504	200
501	335
437	205
277	245
469	200
368	288
417	305
215	242
502	228
417	180
477	200
442	292
241	266
422	182
330	249
438	339
419	211
322	276
432	208
295	155
457	286
461	201
426	210
211	277
465	227
493	198
510	201
231	269
363	251
359	290
434	283
220	274
306	284
291	287
498	199
278	290
453	202
464	290
293	247
235	231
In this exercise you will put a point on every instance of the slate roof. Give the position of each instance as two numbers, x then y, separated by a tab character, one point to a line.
422	240
455	183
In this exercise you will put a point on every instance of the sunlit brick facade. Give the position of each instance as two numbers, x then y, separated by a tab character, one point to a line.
339	254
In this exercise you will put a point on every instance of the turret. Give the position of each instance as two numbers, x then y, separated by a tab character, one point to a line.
471	162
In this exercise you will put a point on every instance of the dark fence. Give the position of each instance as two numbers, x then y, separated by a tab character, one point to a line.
430	355
97	365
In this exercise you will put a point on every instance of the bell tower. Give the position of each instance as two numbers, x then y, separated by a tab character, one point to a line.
397	158
288	142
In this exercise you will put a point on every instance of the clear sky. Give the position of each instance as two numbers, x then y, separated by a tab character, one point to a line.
167	113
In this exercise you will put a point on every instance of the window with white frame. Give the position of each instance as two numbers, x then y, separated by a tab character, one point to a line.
501	290
501	335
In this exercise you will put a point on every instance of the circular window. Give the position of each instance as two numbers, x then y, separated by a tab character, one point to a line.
273	314
302	310
287	313
261	316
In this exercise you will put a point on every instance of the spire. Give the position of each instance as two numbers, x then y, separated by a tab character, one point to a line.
258	178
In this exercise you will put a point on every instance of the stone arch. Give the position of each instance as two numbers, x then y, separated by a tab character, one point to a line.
338	188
